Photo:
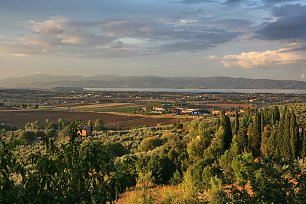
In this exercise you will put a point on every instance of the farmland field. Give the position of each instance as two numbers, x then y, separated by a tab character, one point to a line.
99	107
111	120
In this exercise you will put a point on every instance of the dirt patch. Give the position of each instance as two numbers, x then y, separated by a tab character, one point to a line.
103	105
228	105
111	120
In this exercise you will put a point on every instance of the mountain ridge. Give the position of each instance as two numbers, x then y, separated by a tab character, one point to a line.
113	81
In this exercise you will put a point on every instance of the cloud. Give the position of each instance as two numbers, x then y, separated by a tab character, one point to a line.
302	76
19	55
52	26
186	40
289	24
117	44
233	2
254	59
63	35
196	1
273	2
71	40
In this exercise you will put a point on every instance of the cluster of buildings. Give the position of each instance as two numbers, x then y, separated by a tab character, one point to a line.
170	109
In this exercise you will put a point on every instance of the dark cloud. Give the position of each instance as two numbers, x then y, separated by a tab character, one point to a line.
196	1
273	2
233	2
117	44
289	10
173	37
197	41
290	24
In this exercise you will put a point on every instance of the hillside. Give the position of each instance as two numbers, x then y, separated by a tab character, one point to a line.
110	81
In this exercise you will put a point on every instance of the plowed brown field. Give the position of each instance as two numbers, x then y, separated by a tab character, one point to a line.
111	120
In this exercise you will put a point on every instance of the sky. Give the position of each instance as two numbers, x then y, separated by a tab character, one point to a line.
203	38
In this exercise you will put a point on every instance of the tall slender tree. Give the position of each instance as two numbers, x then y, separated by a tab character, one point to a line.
226	124
256	137
236	123
294	135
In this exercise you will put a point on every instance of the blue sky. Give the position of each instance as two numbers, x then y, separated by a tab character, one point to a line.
236	38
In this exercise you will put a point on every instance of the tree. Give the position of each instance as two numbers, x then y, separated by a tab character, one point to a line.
303	136
99	125
226	124
162	169
294	135
9	191
256	135
150	143
236	123
284	135
74	172
264	140
242	138
61	123
275	115
28	137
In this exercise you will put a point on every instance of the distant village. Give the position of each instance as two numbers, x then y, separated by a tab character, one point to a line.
170	109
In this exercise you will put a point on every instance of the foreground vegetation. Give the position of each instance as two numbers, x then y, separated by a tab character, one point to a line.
254	157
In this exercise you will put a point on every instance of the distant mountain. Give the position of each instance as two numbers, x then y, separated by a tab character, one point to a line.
111	81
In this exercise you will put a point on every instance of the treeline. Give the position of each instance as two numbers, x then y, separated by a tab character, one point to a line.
268	132
249	159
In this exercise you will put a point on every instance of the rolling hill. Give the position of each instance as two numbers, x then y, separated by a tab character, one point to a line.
110	81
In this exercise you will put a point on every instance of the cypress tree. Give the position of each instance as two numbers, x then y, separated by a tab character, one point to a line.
264	140
275	115
272	148
236	123
284	135
218	124
250	135
294	134
226	124
256	137
242	138
246	119
303	139
262	122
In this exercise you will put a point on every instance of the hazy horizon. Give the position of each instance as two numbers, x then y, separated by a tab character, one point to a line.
256	39
118	75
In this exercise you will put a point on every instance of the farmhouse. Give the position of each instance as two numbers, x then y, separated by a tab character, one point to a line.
85	132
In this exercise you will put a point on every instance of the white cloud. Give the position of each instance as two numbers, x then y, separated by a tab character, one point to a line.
19	55
302	76
254	59
70	39
52	26
34	41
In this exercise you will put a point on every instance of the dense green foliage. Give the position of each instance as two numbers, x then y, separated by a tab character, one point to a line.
254	157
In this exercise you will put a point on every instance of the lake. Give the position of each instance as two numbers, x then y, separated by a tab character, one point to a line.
276	91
